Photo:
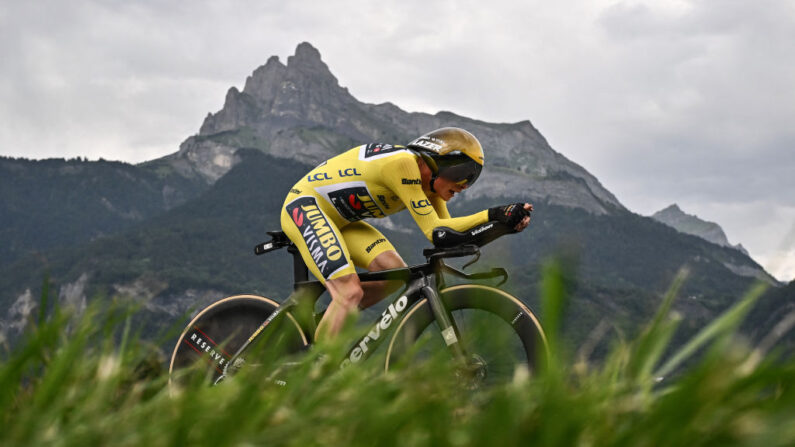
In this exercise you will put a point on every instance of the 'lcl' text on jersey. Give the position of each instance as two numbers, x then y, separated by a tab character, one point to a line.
421	207
349	172
318	176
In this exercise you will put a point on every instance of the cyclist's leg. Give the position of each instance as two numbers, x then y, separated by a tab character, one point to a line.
369	249
326	255
346	293
378	290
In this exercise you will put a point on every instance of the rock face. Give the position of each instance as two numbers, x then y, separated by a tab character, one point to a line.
674	217
18	316
299	111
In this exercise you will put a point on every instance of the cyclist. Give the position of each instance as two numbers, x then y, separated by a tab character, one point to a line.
322	215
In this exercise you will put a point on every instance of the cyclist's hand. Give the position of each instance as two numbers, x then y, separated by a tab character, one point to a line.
516	215
528	208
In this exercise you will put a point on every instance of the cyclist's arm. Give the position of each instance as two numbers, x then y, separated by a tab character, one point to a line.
441	207
421	208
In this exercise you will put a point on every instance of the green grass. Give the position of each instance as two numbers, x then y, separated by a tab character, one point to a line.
89	380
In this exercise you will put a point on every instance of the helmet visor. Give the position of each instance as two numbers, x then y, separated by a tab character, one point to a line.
458	168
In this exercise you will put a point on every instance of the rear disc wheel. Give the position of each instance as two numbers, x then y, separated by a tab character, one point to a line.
215	334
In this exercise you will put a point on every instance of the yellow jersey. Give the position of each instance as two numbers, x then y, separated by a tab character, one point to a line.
323	212
374	181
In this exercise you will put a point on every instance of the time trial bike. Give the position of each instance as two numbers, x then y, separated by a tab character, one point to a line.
427	316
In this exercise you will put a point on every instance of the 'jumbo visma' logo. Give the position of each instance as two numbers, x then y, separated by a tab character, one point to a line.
322	242
422	207
354	202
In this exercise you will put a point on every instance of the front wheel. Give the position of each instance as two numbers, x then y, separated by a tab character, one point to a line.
215	334
499	334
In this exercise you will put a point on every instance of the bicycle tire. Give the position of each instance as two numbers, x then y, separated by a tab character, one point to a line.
523	343
220	329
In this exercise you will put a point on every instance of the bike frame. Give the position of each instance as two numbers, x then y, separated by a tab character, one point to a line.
421	281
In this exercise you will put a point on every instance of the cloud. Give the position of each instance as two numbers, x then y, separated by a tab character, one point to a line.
706	84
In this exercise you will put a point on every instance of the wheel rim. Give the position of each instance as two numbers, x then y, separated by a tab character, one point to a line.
520	330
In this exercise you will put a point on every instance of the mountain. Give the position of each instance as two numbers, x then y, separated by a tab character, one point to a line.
674	217
236	171
299	111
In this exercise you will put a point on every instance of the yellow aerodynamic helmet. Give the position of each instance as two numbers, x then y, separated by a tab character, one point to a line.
452	153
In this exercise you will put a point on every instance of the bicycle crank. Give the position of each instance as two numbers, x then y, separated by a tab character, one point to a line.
474	373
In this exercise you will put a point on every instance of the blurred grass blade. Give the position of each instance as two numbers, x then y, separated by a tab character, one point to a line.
725	325
43	303
779	330
553	298
597	335
655	338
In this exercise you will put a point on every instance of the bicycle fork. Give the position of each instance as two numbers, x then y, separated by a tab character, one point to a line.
444	318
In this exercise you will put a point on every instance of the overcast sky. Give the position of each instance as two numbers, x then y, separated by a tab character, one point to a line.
668	101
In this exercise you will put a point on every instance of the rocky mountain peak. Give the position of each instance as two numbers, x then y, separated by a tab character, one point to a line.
294	91
299	111
673	216
304	69
307	57
259	84
671	210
